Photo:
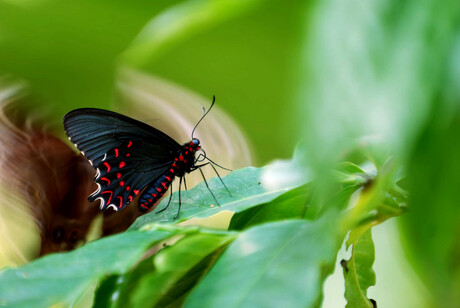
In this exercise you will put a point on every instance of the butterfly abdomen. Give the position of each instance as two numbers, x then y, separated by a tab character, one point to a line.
152	194
183	163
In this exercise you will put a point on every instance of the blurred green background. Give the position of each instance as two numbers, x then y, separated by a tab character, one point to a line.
341	75
244	52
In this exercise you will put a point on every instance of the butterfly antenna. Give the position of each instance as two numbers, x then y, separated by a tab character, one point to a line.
204	113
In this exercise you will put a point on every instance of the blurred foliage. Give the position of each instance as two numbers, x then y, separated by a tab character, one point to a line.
371	87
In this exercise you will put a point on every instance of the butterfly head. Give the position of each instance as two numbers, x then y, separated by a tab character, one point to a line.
195	144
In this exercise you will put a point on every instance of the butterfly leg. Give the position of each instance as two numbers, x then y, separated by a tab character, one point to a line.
169	201
218	175
180	202
205	182
185	184
212	162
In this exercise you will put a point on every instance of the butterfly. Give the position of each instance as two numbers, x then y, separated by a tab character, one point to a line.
132	157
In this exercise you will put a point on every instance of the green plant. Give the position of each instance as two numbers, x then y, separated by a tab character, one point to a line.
270	245
371	88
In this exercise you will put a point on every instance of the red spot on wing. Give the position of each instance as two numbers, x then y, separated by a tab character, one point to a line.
122	164
171	170
154	195
127	188
127	155
121	201
130	198
164	185
107	165
168	178
186	152
198	147
181	158
130	143
122	183
118	175
144	206
116	152
105	179
136	191
108	192
158	189
150	200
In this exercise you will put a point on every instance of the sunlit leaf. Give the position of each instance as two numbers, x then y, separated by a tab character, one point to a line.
246	191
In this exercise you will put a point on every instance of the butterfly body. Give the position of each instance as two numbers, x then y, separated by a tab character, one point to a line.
130	157
183	163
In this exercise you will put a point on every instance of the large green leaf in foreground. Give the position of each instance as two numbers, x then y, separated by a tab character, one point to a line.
280	264
59	279
245	186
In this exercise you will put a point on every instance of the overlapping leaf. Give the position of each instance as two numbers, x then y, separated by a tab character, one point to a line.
276	264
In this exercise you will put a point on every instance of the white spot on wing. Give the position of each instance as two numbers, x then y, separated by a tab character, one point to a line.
105	156
98	174
98	190
113	206
83	153
102	202
90	162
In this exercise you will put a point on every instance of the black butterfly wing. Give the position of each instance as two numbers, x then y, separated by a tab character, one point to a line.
127	154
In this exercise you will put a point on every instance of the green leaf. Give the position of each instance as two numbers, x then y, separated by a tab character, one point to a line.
358	272
244	184
281	264
59	279
104	295
348	173
171	265
292	204
350	178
